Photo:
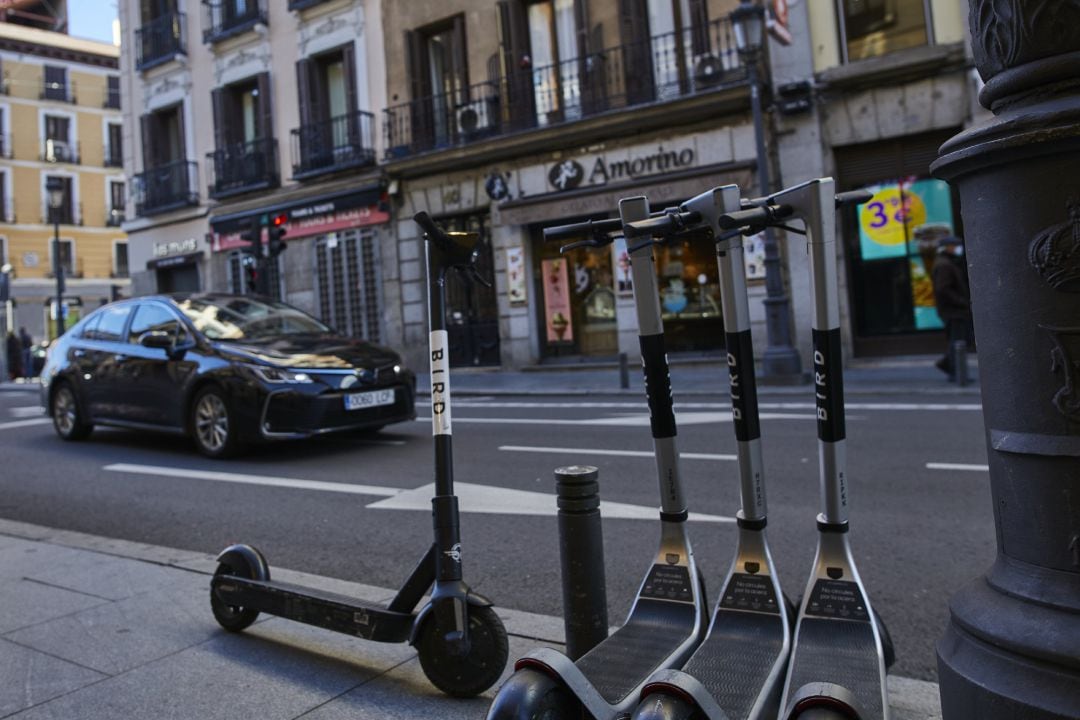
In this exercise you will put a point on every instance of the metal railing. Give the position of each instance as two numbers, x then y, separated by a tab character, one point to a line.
7	210
67	214
112	100
59	151
224	18
114	156
58	91
160	40
115	217
342	142
166	187
660	69
7	149
243	167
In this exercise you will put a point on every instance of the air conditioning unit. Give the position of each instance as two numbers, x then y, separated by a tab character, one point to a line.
477	117
57	151
708	70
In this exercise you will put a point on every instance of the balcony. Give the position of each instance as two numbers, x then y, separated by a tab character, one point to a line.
58	91
225	18
243	167
6	147
304	4
59	151
115	217
66	214
114	157
166	187
340	143
111	101
7	210
160	40
662	69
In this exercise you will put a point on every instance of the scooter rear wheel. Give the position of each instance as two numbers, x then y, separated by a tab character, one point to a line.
476	671
233	619
531	695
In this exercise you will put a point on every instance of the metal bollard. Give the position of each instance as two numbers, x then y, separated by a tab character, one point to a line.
624	371
960	362
581	554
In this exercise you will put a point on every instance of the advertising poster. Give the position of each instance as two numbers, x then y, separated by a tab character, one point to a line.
897	212
624	282
557	316
922	295
515	275
754	256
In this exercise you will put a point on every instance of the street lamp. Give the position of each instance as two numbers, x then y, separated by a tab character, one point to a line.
55	188
781	359
5	295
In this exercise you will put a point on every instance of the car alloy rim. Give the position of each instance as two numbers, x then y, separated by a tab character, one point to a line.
64	411
212	422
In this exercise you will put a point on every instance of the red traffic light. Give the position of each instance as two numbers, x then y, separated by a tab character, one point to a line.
280	220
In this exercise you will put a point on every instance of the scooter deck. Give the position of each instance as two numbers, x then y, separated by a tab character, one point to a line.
644	644
736	659
842	652
328	610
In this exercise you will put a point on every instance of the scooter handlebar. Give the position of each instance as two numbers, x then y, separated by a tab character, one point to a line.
853	197
761	215
589	228
666	223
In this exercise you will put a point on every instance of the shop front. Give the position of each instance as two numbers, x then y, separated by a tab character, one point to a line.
175	265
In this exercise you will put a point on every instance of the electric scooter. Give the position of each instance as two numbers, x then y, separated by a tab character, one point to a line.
666	621
841	649
460	640
738	671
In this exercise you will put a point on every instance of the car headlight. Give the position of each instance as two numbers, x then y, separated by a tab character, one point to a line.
278	375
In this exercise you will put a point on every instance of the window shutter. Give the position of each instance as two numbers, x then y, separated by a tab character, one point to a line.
265	128
421	123
217	100
514	40
303	90
147	124
352	101
581	22
637	55
699	27
459	60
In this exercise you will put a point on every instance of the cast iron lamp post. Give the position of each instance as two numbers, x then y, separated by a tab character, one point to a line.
55	187
781	359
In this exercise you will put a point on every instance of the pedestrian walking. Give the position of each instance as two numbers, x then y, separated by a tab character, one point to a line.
14	355
27	359
952	298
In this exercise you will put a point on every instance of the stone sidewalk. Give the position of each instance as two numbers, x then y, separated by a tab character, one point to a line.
93	628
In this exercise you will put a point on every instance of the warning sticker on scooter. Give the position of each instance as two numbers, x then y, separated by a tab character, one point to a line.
750	592
837	599
668	582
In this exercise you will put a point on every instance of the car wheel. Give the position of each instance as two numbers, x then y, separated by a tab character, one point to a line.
67	416
212	424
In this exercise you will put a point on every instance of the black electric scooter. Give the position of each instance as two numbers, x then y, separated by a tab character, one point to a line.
738	671
666	621
842	649
460	640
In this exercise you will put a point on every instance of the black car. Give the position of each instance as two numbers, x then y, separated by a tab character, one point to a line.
225	369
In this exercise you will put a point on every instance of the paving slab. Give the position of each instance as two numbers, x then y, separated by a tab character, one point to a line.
31	678
24	603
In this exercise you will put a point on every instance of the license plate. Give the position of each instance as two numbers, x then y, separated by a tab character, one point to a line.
375	398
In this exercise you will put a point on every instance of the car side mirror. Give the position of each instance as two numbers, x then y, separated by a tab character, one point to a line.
157	339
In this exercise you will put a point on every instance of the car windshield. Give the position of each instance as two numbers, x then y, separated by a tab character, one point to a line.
241	318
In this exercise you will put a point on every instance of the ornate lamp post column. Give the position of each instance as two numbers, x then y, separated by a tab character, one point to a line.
1012	646
55	188
781	358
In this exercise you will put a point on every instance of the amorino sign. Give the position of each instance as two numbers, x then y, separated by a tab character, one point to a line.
620	165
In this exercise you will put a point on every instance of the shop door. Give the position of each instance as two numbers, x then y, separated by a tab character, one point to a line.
577	296
181	278
349	285
472	311
890	243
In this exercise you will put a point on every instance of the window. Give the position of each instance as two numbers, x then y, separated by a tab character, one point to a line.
112	92
333	132
117	204
111	326
439	77
152	317
67	253
65	214
246	154
114	147
347	273
120	259
7	214
56	87
3	251
554	45
6	149
58	144
163	137
877	27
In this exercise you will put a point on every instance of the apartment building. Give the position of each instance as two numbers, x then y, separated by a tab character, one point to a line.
506	118
60	122
884	83
243	111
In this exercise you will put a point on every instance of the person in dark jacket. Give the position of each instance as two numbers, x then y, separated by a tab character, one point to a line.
27	357
952	298
14	355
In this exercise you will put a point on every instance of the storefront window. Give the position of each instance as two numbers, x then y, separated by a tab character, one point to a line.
690	295
878	27
898	234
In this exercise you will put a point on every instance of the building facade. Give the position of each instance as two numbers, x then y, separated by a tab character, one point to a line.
247	110
60	121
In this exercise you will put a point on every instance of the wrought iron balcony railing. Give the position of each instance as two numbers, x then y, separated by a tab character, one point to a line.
160	40
340	143
115	217
67	214
166	187
243	167
60	151
660	69
224	18
58	91
114	156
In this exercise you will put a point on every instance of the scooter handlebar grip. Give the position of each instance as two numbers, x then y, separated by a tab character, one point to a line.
589	228
853	197
428	225
663	224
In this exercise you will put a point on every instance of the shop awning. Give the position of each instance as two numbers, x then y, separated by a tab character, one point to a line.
297	206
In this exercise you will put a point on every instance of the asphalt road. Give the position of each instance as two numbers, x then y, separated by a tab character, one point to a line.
919	532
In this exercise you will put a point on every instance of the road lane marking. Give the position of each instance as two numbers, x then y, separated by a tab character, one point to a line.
472	498
25	423
630	420
521	405
507	501
266	480
616	453
28	411
957	466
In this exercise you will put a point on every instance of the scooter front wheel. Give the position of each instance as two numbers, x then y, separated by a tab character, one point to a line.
238	564
476	671
532	695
